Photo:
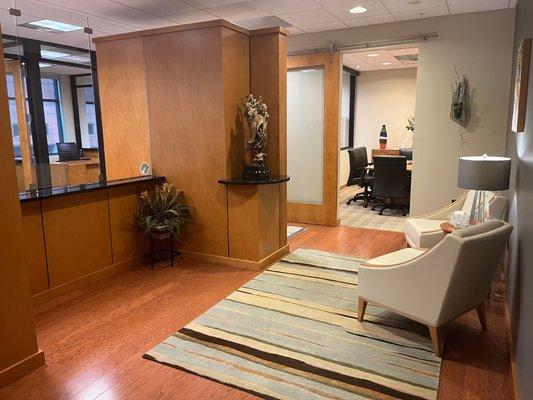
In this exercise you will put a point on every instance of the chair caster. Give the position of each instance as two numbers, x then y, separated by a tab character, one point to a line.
381	212
348	202
373	208
365	205
404	213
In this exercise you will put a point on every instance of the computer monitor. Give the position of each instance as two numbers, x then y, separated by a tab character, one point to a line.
68	151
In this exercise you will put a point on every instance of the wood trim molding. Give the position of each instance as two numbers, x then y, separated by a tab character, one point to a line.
235	262
23	367
512	361
118	36
69	287
175	28
273	29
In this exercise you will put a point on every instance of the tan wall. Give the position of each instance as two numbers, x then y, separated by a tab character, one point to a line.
479	45
384	97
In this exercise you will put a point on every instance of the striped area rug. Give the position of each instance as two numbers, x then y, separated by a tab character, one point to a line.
292	333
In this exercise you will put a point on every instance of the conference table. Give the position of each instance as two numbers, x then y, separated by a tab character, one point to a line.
409	167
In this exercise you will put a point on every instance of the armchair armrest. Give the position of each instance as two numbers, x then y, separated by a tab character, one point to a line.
414	287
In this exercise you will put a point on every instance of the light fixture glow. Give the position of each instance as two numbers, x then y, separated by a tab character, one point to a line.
52	55
357	66
386	63
44	65
372	55
55	25
358	10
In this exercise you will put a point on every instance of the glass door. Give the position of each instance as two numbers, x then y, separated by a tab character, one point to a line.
313	92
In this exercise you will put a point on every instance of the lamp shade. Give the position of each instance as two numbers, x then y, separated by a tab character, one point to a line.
484	173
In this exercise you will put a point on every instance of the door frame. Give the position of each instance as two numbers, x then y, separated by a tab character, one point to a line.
327	212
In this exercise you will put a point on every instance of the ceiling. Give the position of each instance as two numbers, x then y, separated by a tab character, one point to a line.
380	59
299	16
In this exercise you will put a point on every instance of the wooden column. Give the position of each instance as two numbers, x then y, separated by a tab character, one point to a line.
268	78
18	342
13	67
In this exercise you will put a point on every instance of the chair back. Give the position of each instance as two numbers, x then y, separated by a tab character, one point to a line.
473	255
407	153
358	163
390	177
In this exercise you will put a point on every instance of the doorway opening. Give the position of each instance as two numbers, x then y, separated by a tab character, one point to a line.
378	91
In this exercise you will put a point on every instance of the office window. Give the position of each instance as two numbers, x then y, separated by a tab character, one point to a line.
52	113
86	112
13	115
347	131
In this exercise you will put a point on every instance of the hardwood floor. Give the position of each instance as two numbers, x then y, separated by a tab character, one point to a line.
94	338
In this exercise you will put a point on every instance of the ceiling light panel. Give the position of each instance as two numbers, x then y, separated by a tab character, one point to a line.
54	26
53	55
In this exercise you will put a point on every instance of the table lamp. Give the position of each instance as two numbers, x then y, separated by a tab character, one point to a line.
481	173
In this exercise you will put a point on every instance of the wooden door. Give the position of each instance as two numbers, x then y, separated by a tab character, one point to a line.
324	213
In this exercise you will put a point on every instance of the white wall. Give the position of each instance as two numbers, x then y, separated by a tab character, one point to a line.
66	108
479	45
384	97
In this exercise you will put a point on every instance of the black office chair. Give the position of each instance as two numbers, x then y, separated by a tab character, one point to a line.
407	153
359	175
68	151
391	182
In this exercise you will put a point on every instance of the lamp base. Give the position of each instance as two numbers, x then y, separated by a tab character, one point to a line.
478	213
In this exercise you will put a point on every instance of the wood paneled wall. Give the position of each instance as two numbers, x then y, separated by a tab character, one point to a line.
195	77
123	107
18	342
80	238
269	79
187	125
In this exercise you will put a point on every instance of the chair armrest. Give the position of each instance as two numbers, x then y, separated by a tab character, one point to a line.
414	288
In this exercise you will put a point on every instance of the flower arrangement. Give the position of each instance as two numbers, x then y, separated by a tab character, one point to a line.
163	212
410	123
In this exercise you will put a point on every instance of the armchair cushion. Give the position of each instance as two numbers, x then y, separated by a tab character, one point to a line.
396	257
423	233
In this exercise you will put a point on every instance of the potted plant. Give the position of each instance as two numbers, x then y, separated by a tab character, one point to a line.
163	212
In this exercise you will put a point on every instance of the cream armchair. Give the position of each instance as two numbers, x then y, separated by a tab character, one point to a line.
424	232
438	285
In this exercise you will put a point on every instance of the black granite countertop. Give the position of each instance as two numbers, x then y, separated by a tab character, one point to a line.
242	181
42	194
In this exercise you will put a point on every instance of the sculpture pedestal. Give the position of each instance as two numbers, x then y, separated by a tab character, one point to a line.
253	219
256	171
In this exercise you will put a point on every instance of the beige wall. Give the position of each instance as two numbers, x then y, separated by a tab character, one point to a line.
384	97
479	45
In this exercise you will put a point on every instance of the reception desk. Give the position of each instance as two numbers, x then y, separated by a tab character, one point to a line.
75	172
80	234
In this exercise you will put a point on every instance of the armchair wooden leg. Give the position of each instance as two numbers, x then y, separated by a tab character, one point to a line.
436	338
482	315
361	308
